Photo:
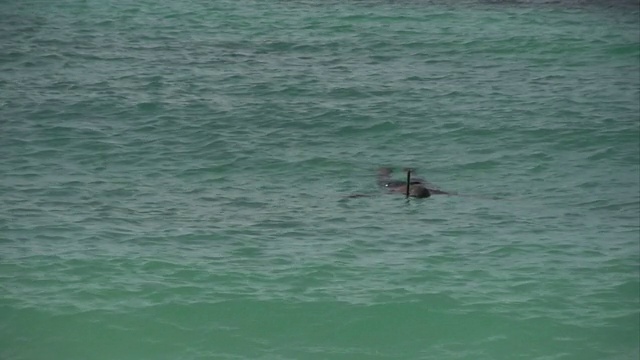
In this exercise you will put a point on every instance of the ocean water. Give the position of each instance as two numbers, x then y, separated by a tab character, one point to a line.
175	179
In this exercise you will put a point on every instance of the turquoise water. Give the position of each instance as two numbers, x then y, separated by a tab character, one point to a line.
174	179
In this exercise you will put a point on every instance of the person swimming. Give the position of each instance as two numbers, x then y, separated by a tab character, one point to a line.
412	187
415	187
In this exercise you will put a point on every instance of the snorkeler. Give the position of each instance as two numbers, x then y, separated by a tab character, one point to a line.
417	187
411	187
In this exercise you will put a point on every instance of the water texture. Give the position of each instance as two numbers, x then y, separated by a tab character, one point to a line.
175	179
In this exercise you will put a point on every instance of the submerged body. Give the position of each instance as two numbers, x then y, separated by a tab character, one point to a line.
414	187
417	187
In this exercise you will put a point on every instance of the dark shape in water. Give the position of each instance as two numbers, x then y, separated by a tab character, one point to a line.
417	187
413	187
